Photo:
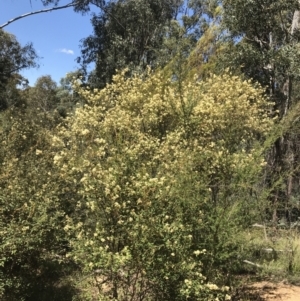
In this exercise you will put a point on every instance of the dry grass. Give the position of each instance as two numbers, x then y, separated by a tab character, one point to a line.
276	253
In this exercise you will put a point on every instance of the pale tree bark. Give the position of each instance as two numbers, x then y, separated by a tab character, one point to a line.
287	143
37	12
296	21
287	88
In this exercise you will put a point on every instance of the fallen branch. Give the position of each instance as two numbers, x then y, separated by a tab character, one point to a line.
256	225
252	263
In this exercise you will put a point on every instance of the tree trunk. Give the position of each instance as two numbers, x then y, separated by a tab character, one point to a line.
286	146
296	21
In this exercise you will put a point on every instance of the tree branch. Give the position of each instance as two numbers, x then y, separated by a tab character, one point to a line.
56	8
37	12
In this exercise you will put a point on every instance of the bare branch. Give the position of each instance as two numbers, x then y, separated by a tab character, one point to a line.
56	8
37	12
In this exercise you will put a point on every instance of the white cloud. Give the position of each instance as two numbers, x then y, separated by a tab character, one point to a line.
67	51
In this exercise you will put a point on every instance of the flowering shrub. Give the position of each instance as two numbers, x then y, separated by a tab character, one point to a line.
154	163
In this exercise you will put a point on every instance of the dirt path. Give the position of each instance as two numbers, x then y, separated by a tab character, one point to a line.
277	291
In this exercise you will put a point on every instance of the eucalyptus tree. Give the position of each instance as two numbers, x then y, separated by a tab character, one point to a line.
126	33
134	34
67	97
13	59
43	95
266	37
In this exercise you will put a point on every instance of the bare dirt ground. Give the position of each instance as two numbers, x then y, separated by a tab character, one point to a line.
269	291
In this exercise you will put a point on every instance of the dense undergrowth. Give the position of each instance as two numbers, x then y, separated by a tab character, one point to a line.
144	193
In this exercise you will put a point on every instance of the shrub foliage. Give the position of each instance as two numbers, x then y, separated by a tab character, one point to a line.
161	172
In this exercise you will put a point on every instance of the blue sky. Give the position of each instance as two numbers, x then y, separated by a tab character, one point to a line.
55	35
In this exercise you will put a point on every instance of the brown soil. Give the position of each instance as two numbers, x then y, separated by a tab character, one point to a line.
277	291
